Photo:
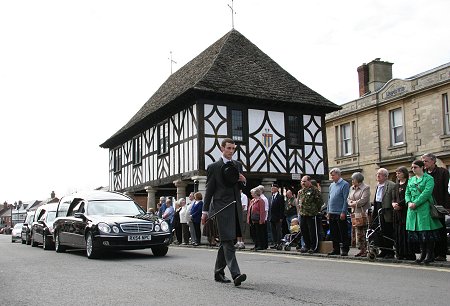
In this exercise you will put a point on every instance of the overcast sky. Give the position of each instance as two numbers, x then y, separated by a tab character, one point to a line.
72	73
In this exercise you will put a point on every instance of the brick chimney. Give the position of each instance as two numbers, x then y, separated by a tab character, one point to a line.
363	79
373	76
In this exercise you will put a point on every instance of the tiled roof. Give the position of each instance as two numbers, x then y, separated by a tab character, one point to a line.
232	66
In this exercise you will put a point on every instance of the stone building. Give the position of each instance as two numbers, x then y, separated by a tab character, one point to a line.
393	122
231	89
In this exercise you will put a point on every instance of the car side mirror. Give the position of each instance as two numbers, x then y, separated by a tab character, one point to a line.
79	215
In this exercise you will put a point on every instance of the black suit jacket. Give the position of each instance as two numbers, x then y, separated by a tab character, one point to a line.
217	196
277	208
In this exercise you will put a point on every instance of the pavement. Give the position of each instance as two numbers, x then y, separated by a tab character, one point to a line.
351	255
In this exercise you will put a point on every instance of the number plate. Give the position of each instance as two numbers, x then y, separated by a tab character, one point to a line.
139	237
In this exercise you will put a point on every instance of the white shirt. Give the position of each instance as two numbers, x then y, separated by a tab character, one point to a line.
266	204
244	201
379	194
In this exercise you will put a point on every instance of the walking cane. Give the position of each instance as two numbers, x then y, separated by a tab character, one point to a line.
220	210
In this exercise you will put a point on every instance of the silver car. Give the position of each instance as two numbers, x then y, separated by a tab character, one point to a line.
16	233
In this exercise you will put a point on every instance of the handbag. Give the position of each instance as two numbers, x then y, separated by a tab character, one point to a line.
359	218
436	211
254	215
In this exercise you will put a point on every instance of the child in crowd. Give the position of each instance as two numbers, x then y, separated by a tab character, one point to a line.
295	226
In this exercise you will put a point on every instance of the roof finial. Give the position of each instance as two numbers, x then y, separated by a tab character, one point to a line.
171	62
232	14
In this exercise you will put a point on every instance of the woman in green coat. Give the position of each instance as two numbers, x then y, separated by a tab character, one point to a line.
421	227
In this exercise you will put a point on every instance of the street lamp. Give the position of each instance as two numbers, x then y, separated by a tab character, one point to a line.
12	223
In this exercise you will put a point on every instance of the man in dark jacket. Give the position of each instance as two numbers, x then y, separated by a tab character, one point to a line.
440	194
220	192
276	216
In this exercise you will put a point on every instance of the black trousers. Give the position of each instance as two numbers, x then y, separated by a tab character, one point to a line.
276	231
226	257
310	232
198	233
186	233
339	233
440	247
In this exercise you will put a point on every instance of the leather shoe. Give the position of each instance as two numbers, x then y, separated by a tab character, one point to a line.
440	258
239	279
221	278
344	253
334	253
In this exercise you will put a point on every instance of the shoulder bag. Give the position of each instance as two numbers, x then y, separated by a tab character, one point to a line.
436	211
359	218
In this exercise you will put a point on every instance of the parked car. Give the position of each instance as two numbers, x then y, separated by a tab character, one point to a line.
101	220
42	227
15	234
26	228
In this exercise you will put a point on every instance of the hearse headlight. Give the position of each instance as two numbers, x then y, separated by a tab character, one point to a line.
103	227
115	229
164	226
157	228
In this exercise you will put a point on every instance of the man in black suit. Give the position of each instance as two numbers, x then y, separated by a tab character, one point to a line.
276	216
221	191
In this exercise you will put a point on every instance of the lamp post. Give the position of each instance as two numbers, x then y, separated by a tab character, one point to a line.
12	223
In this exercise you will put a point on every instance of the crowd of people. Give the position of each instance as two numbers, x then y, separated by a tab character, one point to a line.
400	211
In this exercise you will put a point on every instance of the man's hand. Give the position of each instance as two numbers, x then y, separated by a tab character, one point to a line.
343	216
204	217
242	178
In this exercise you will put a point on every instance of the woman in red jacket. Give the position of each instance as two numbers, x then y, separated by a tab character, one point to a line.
256	217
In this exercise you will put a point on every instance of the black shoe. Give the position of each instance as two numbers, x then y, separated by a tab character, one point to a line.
259	249
239	279
441	258
273	246
389	256
221	278
334	253
344	253
382	254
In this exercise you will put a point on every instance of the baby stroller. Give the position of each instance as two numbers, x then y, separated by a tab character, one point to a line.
290	240
374	236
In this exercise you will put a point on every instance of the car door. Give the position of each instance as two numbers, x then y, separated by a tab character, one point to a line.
39	233
36	232
75	225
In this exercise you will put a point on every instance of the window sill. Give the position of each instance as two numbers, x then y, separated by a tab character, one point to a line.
445	136
339	158
395	147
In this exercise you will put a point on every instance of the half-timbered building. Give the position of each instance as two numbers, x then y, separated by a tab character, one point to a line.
232	89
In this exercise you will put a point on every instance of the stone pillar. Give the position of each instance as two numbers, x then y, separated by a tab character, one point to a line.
325	190
201	184
151	197
267	183
181	188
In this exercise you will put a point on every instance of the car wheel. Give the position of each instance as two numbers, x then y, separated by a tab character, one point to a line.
91	252
58	247
33	243
160	250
